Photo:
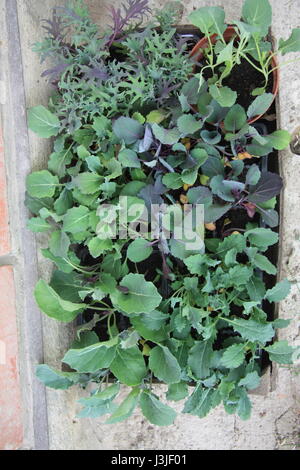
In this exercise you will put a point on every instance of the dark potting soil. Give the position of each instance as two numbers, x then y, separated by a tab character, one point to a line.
244	79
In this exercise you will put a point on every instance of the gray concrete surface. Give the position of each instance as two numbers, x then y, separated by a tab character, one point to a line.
275	418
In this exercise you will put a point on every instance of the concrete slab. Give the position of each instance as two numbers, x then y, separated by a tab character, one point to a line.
274	420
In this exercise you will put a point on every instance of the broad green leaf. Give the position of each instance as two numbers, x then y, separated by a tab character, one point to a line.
200	358
100	403
157	116
55	379
59	160
101	124
250	381
253	175
43	122
129	366
76	220
41	184
166	136
126	408
261	237
281	352
64	202
199	195
155	411
279	139
210	20
200	402
143	326
129	159
172	180
244	406
252	330
225	54
262	262
240	275
260	105
279	292
37	224
164	365
88	183
59	244
187	124
67	285
256	288
98	246
139	250
224	95
128	130
234	356
292	44
189	176
213	212
53	305
235	119
177	392
92	358
141	296
258	13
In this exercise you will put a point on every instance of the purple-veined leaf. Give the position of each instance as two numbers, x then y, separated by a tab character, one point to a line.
269	185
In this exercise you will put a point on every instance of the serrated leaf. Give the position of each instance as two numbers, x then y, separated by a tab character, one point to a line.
250	381
244	406
200	402
164	365
281	352
279	292
129	366
234	356
177	391
43	122
199	358
252	330
262	262
155	411
126	408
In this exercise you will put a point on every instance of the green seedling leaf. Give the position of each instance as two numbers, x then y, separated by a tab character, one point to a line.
224	95
234	356
129	159
258	13
76	220
141	296
235	119
166	136
54	306
41	184
55	379
139	250
128	130
279	292
92	358
281	352
188	124
129	366
260	105
292	44
126	408
164	365
43	122
155	411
